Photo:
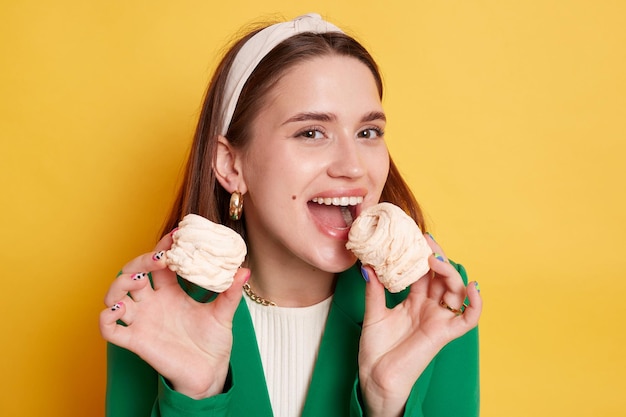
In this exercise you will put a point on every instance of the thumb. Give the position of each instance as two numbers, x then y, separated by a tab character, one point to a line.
375	304
227	302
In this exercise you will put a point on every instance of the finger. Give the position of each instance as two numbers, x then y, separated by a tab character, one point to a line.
128	313
440	287
475	305
421	286
135	284
155	262
375	304
109	327
436	248
227	302
152	261
164	276
447	284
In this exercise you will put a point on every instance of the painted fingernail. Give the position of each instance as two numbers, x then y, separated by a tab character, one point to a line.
439	257
431	236
138	276
117	306
477	286
366	276
158	255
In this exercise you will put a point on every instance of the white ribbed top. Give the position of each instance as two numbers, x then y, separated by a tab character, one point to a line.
289	340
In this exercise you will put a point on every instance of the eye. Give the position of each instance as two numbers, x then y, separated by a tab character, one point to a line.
311	133
371	133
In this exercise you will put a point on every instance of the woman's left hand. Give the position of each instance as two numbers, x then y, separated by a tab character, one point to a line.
397	344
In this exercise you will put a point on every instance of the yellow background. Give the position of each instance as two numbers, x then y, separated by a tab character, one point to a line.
507	117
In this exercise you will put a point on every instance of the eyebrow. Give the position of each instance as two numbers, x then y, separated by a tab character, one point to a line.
329	117
373	116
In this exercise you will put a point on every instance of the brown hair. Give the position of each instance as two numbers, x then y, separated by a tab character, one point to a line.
200	193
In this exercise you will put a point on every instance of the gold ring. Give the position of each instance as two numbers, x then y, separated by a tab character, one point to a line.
456	311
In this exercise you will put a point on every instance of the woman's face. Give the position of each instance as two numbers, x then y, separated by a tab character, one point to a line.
316	158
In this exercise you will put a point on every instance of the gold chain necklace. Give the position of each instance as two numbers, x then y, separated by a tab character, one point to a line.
256	298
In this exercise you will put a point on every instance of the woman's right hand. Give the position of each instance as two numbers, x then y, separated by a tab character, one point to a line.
187	342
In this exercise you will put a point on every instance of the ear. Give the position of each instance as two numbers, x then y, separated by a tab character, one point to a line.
227	166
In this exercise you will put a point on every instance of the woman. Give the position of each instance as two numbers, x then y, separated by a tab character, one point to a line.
293	115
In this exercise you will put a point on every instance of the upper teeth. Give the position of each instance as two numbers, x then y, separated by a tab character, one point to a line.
338	201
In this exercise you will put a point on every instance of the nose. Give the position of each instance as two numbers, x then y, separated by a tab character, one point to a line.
347	160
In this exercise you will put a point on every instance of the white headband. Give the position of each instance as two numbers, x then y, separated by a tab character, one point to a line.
255	49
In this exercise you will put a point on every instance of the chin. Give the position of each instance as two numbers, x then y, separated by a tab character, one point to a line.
337	264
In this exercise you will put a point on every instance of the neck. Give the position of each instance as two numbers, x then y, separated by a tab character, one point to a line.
290	285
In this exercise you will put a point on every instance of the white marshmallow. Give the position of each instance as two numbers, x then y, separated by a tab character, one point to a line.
386	238
206	253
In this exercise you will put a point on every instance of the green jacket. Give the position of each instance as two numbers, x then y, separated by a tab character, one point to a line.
448	387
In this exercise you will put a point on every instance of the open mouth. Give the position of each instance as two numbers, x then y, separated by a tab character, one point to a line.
335	212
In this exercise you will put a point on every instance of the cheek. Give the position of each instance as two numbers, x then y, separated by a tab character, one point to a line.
277	175
297	168
379	167
260	168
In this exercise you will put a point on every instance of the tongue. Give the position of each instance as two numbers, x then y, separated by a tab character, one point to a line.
347	216
331	216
